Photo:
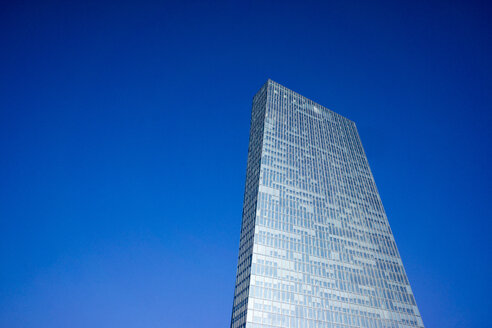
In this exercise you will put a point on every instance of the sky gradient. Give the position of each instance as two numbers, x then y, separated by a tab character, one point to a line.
124	135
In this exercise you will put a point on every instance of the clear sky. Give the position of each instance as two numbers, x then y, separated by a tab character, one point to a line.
124	134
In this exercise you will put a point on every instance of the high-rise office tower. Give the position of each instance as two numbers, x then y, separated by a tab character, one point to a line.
316	249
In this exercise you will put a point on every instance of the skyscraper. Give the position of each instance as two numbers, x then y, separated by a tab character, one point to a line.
316	249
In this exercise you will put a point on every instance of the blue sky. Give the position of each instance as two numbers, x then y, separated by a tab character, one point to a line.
124	135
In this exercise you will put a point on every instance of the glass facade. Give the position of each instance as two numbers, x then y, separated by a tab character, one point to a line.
316	249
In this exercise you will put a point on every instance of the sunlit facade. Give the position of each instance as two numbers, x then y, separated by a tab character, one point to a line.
316	249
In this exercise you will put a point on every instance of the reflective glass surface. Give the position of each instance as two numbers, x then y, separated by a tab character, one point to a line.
316	249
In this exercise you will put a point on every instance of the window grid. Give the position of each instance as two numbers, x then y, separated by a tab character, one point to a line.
316	248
